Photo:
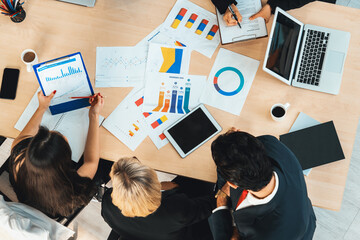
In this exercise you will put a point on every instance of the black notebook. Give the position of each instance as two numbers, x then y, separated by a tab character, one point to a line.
314	146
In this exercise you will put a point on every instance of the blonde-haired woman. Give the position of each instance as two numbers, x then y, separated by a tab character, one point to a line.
139	207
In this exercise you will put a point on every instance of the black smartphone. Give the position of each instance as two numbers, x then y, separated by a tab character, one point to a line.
9	83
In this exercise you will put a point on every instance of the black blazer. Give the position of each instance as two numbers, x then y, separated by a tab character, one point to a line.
177	218
222	5
289	215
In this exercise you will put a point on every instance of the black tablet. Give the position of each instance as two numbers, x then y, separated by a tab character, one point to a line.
192	130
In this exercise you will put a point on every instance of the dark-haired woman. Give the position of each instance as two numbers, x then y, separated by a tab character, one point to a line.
41	171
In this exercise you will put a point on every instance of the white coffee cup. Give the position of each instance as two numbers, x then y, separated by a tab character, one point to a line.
278	111
29	57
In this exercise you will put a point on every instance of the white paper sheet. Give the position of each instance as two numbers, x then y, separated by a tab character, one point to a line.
127	122
249	29
229	81
187	35
157	36
301	122
120	66
67	76
168	59
73	125
172	93
5	150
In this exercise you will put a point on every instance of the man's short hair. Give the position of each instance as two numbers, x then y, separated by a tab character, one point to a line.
136	188
241	159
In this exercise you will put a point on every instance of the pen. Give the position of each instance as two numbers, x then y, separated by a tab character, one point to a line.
87	97
234	15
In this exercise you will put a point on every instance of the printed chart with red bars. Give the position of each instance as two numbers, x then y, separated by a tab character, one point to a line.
201	26
127	122
191	20
192	26
172	93
212	32
178	18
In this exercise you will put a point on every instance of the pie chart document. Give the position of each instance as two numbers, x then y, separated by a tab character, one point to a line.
229	81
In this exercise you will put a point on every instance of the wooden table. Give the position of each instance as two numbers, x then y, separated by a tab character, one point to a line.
54	29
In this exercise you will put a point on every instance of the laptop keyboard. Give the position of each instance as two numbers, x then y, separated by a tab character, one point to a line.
313	57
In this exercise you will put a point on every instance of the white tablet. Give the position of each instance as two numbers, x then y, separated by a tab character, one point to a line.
192	130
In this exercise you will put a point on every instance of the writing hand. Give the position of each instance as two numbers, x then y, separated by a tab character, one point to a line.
228	17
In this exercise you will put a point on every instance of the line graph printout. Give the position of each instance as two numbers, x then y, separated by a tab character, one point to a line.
120	66
67	76
172	93
229	81
168	59
193	26
127	122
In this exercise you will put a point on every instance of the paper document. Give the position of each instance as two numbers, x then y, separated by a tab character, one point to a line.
127	122
120	66
5	150
73	125
249	29
193	27
68	76
301	122
229	81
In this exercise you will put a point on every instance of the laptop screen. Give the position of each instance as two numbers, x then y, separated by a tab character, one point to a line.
283	45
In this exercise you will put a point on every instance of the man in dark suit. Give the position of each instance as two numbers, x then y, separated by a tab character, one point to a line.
265	12
261	180
139	207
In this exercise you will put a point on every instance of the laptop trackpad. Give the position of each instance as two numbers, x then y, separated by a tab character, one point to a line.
334	62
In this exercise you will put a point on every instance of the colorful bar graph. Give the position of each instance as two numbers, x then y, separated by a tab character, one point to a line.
166	107
179	104
131	133
161	102
201	26
212	32
173	101
139	101
186	101
178	18
191	20
162	136
159	122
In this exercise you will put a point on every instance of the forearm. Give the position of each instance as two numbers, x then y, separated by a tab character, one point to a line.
92	148
222	5
287	5
32	127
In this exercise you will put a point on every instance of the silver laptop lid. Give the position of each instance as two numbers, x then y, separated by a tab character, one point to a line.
283	46
87	3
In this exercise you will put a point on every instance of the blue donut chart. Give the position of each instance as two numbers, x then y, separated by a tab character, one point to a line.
216	85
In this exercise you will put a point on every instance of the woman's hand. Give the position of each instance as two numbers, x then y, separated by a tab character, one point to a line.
265	13
228	17
44	101
168	185
97	103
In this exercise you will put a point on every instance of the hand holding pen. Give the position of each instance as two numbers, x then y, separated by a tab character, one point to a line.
232	16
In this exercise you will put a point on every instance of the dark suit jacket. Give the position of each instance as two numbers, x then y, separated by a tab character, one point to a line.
178	217
289	215
222	5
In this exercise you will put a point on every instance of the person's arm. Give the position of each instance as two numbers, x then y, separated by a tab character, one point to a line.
223	7
92	148
271	5
32	127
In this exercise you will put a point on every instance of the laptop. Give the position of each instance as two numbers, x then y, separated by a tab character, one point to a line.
306	56
86	3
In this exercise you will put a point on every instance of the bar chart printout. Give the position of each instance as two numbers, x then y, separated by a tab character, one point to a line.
67	76
172	93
